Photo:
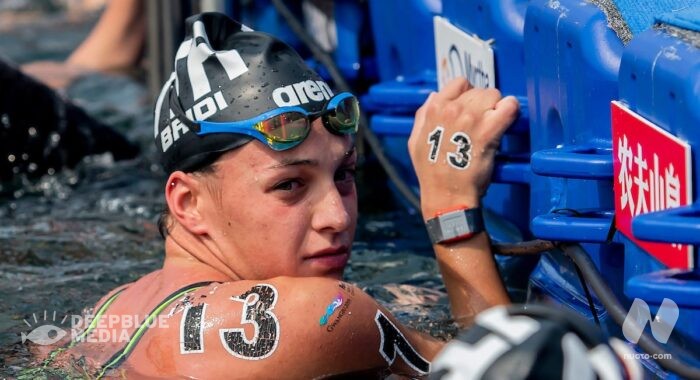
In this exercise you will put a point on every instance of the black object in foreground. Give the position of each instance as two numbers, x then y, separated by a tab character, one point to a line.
41	132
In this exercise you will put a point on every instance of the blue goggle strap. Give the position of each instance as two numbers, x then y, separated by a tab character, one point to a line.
246	126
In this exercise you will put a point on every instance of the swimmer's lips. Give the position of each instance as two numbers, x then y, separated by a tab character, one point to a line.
335	258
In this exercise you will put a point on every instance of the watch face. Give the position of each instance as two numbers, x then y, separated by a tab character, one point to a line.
455	225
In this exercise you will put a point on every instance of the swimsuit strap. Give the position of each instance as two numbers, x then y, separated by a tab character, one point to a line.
96	317
100	310
122	354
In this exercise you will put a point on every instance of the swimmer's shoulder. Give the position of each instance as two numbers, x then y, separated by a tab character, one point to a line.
123	291
112	294
281	327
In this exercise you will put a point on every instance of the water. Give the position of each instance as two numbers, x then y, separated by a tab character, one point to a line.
68	238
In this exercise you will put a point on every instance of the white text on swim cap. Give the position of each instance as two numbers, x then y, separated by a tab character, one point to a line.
203	110
301	93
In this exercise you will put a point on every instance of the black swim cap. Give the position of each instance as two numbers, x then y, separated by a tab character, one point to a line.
226	72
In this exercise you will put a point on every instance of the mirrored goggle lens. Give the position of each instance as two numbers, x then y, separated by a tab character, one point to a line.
346	115
286	127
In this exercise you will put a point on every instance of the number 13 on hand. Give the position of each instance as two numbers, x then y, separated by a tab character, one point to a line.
461	158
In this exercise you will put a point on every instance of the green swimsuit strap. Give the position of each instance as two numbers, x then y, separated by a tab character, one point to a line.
122	354
96	317
93	323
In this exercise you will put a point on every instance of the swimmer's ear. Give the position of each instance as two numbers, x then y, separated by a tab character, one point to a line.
183	194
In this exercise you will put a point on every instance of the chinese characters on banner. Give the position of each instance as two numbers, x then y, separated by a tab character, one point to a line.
652	173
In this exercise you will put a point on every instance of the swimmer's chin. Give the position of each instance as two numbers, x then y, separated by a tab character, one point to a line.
338	275
333	274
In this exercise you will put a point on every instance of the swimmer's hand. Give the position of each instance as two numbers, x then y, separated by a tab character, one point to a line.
453	143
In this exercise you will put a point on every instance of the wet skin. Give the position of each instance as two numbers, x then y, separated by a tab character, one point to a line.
292	213
260	215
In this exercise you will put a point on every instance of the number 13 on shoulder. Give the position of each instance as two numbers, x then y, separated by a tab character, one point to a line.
459	159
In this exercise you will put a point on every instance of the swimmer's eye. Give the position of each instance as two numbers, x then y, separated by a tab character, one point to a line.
288	185
345	174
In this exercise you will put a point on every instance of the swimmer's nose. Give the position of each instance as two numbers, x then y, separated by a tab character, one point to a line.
330	213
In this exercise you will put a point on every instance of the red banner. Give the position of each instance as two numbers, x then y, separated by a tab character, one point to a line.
652	173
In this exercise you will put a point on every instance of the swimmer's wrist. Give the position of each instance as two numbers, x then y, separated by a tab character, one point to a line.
454	224
430	210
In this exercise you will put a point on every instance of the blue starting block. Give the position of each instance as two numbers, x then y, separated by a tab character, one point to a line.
660	81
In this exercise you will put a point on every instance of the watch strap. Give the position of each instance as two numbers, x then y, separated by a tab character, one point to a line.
455	225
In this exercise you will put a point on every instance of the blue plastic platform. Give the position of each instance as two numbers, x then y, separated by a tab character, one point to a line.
572	65
572	62
403	37
660	80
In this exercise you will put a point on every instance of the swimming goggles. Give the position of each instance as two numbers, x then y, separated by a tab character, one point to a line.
286	127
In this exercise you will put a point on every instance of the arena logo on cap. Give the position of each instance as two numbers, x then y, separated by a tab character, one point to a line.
301	93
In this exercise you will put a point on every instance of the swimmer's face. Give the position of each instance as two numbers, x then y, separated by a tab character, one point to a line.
289	213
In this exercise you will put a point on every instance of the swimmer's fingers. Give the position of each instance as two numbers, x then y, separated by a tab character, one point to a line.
453	89
436	101
479	100
500	118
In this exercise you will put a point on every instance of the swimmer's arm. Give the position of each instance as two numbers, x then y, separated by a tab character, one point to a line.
350	342
467	267
471	277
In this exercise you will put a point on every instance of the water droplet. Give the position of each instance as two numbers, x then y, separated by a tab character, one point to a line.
32	131
25	156
51	171
32	167
255	98
5	120
11	158
55	138
15	170
265	84
246	106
